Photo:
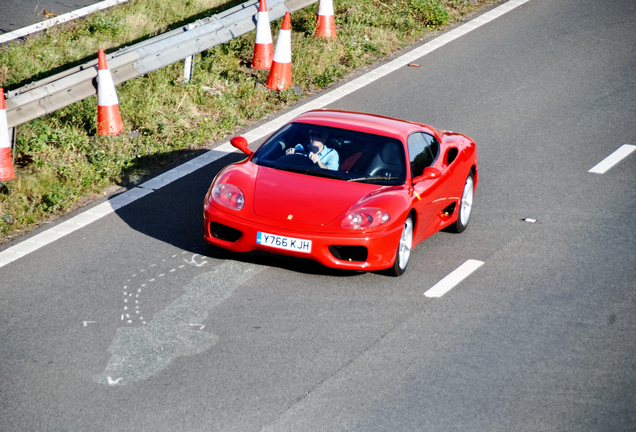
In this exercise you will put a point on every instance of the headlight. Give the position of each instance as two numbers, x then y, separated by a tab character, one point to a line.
228	196
366	218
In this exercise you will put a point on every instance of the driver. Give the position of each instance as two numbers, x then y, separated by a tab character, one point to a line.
319	154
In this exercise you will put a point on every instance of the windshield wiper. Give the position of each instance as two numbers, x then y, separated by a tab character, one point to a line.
373	178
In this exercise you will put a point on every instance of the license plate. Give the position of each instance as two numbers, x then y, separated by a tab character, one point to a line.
280	242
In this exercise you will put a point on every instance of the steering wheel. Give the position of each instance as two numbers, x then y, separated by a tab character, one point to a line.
298	160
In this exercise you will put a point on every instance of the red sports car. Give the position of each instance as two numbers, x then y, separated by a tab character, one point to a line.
349	190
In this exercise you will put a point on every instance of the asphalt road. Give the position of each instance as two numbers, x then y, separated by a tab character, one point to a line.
16	14
541	337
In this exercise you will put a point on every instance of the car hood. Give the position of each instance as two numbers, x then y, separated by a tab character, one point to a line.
304	199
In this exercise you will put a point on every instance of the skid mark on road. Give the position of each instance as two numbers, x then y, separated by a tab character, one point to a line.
141	352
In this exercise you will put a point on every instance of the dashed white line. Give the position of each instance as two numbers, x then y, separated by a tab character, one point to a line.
607	163
453	279
34	243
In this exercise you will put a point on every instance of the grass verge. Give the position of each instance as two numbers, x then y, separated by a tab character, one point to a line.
60	162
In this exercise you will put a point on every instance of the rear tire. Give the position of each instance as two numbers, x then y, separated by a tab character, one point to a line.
465	205
403	253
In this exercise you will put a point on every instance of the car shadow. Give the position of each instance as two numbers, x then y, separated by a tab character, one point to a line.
174	214
299	265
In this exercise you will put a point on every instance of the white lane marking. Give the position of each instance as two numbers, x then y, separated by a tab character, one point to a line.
58	20
607	163
454	278
34	243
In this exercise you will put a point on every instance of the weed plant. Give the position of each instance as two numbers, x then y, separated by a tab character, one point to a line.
60	162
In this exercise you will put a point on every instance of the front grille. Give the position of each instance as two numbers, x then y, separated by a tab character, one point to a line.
349	253
224	232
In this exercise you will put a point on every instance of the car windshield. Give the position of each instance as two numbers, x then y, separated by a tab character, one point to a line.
334	153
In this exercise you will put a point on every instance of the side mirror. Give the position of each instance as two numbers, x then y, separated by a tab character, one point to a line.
241	144
429	173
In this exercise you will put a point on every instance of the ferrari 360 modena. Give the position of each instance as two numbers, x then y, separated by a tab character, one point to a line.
349	190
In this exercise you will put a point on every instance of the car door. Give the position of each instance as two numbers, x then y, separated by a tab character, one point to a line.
423	152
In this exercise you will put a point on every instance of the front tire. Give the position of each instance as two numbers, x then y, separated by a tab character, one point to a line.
465	205
403	253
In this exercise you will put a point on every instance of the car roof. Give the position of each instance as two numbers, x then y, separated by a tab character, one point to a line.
364	122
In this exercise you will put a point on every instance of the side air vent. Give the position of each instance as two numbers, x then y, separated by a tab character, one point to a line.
449	210
451	154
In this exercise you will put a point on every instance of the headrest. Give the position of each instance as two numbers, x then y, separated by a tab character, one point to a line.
390	153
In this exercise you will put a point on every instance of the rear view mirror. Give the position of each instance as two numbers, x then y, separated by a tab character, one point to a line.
429	173
241	144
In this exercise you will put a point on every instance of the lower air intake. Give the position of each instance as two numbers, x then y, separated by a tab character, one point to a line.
224	232
349	253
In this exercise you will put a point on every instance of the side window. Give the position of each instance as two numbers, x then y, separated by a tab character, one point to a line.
423	149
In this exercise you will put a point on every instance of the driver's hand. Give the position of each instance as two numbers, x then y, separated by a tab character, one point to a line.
290	151
314	157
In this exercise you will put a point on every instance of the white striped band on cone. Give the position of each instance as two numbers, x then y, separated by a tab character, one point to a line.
263	46
108	117
6	159
280	74
325	20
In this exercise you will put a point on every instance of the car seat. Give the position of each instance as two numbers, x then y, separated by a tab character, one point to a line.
388	161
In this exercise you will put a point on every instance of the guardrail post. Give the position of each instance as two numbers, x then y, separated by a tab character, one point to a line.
12	137
188	67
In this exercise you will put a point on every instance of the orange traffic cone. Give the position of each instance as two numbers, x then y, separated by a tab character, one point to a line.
263	47
108	117
280	74
325	21
6	159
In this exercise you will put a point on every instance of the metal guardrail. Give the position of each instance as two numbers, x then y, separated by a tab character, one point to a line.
40	98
